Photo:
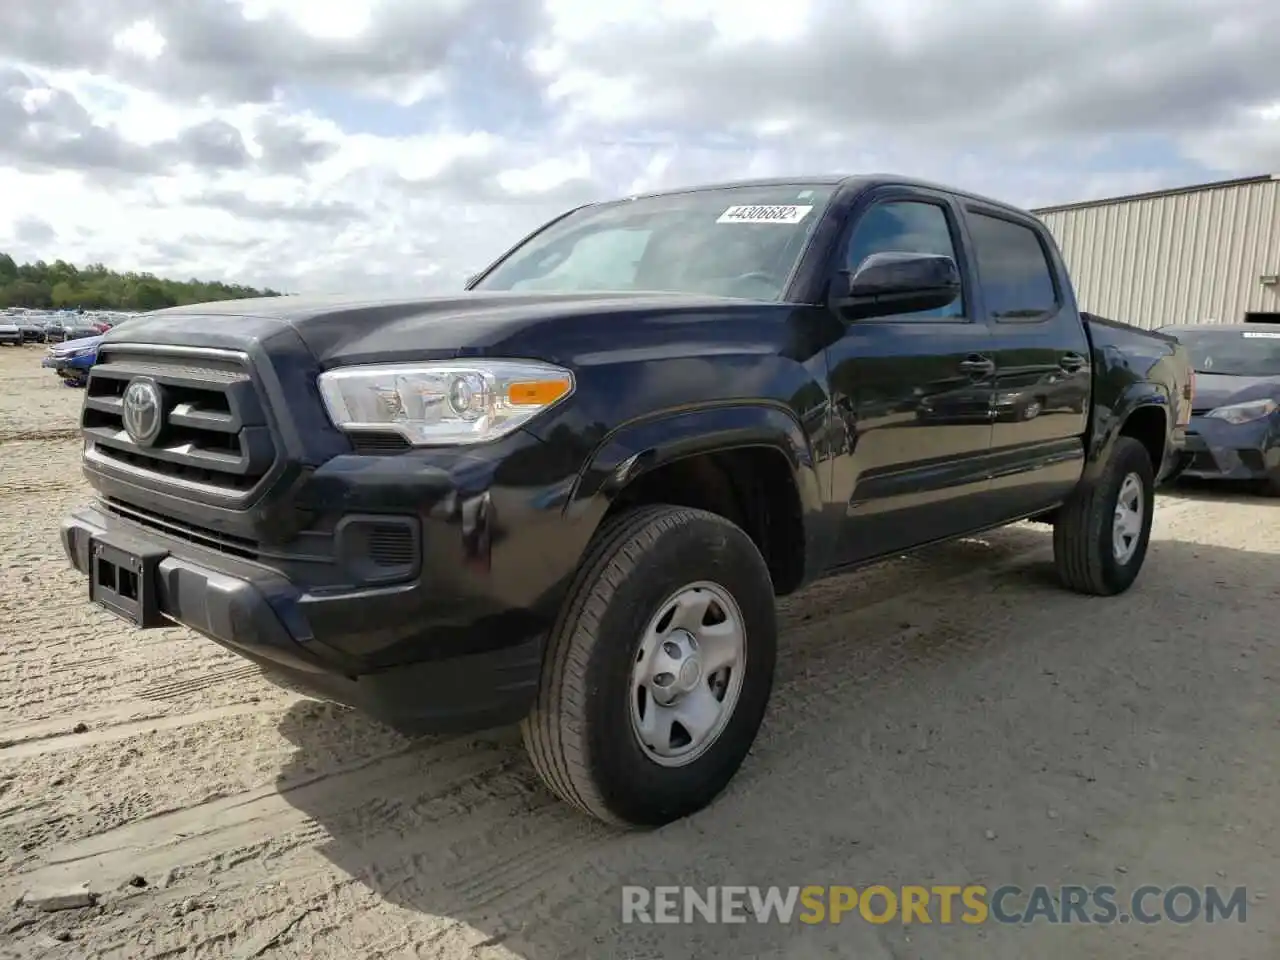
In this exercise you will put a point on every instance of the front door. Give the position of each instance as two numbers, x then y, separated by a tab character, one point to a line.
914	393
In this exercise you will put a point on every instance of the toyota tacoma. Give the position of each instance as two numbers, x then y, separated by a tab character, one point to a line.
568	495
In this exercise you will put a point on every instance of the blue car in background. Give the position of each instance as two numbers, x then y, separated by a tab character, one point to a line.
1234	432
72	359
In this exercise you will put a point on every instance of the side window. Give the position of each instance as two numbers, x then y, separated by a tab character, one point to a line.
904	226
1016	278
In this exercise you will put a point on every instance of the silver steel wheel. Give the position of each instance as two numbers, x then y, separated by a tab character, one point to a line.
688	674
1127	526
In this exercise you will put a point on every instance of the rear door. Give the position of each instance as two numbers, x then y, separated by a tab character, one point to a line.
1043	363
912	391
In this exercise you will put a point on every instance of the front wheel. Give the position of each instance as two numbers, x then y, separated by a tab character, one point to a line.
658	672
1101	533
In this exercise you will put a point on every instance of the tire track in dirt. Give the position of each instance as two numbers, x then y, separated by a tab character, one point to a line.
45	677
33	436
176	689
196	834
12	748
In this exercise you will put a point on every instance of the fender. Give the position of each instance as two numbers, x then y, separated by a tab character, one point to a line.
640	446
1108	423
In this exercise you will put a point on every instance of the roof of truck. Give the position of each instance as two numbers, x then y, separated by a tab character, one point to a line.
863	180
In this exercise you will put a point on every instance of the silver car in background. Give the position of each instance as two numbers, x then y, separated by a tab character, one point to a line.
11	334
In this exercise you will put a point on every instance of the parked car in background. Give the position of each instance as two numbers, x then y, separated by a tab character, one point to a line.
11	333
32	331
79	329
569	496
1235	424
71	359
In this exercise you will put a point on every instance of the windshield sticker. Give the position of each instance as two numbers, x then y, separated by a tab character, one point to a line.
1261	335
761	214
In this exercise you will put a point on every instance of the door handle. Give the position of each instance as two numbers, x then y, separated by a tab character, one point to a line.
1071	362
977	364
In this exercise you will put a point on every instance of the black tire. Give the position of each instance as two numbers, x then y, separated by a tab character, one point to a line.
1082	534
579	733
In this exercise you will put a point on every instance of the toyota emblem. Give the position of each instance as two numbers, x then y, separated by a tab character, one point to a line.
142	414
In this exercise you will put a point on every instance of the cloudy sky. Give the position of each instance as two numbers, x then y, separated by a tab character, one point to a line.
398	145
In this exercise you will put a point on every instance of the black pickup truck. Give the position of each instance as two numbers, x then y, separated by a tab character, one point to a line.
568	495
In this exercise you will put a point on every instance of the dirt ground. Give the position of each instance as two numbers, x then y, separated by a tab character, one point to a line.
951	717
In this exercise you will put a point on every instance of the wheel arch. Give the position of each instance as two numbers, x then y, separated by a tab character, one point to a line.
1142	412
750	462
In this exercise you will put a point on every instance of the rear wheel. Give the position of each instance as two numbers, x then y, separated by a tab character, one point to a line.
1101	534
658	673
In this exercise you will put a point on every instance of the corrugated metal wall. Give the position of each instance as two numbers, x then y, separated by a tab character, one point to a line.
1175	258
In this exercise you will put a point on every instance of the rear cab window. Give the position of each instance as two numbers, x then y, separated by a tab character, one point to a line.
1014	270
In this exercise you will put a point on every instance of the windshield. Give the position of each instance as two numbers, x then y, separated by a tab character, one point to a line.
1233	353
734	242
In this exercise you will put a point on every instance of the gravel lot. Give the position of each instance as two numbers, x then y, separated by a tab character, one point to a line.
952	717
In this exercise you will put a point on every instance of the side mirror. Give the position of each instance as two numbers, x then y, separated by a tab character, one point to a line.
896	282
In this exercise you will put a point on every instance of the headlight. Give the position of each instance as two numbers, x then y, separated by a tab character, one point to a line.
443	402
1245	412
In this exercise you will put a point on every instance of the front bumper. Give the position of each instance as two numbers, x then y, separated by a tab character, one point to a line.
79	365
1227	451
454	645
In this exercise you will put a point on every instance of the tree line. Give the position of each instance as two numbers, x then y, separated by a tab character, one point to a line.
64	286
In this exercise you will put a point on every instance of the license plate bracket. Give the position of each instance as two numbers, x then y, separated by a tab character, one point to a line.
123	579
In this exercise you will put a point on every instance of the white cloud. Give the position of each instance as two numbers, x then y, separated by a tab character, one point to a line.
324	19
260	141
1246	141
141	39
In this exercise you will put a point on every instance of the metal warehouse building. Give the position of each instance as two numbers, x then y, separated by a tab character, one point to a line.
1191	255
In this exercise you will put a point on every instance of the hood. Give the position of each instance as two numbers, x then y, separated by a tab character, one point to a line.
1218	390
339	332
71	346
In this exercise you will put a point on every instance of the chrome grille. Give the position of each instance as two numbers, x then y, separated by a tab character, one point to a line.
215	434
